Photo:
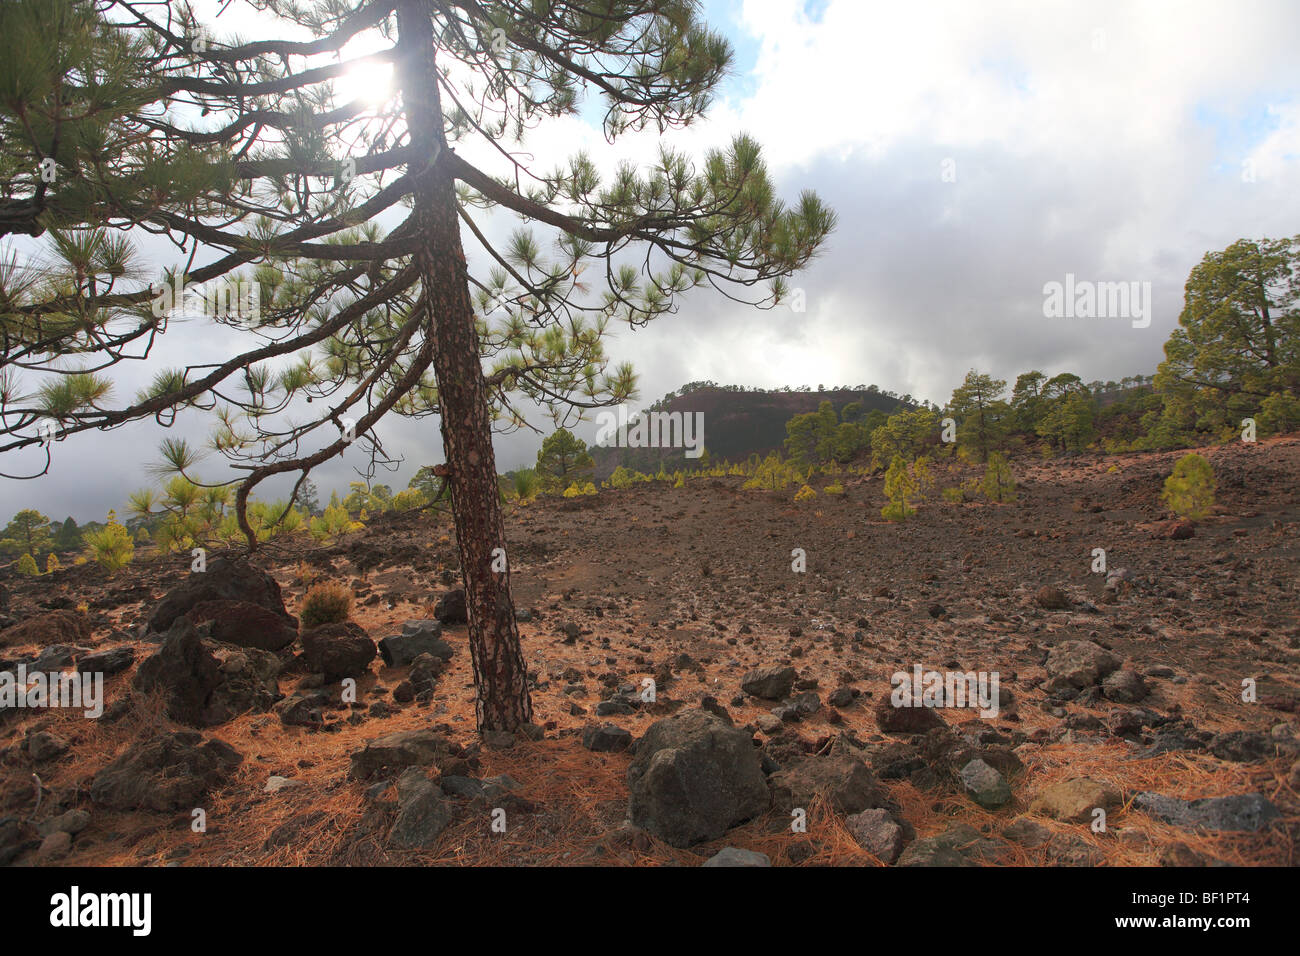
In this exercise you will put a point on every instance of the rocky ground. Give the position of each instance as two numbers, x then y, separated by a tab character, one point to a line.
1163	692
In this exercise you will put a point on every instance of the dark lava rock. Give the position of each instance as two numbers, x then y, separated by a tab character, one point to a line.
224	580
694	778
205	682
167	772
338	650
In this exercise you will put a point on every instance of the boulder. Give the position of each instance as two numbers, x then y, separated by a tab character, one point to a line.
338	650
878	833
451	609
111	660
769	683
1074	801
423	813
245	624
1248	812
606	738
984	785
223	580
1079	664
398	750
205	682
843	780
417	637
166	772
694	778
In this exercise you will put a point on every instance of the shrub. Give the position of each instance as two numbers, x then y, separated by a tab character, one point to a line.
526	484
772	474
334	522
1189	491
805	493
835	488
589	488
52	563
621	478
27	565
998	484
326	603
572	491
900	489
955	495
111	546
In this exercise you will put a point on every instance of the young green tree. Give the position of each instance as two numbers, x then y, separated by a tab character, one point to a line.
348	218
68	537
906	433
562	460
1027	402
27	533
901	490
1189	489
1068	424
982	418
999	483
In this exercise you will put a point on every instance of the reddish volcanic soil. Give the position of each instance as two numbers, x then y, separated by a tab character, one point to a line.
693	587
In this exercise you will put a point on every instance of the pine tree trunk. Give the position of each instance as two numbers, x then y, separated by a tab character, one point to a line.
500	677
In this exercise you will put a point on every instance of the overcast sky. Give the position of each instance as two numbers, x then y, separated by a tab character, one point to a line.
973	152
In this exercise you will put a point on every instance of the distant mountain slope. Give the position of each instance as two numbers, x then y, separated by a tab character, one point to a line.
736	424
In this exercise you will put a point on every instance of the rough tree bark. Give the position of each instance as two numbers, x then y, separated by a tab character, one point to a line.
500	676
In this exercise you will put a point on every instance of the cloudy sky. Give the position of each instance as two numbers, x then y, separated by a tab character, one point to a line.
973	151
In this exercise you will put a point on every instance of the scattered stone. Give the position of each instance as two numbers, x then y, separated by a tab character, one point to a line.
404	748
959	845
1124	686
1079	664
72	822
985	785
694	778
1026	832
112	660
43	745
1240	812
1243	746
1052	599
731	856
451	609
906	720
769	683
54	847
417	637
1073	801
606	738
877	832
338	650
842	779
422	813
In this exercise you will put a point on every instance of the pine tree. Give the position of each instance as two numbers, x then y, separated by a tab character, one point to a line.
999	484
346	219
